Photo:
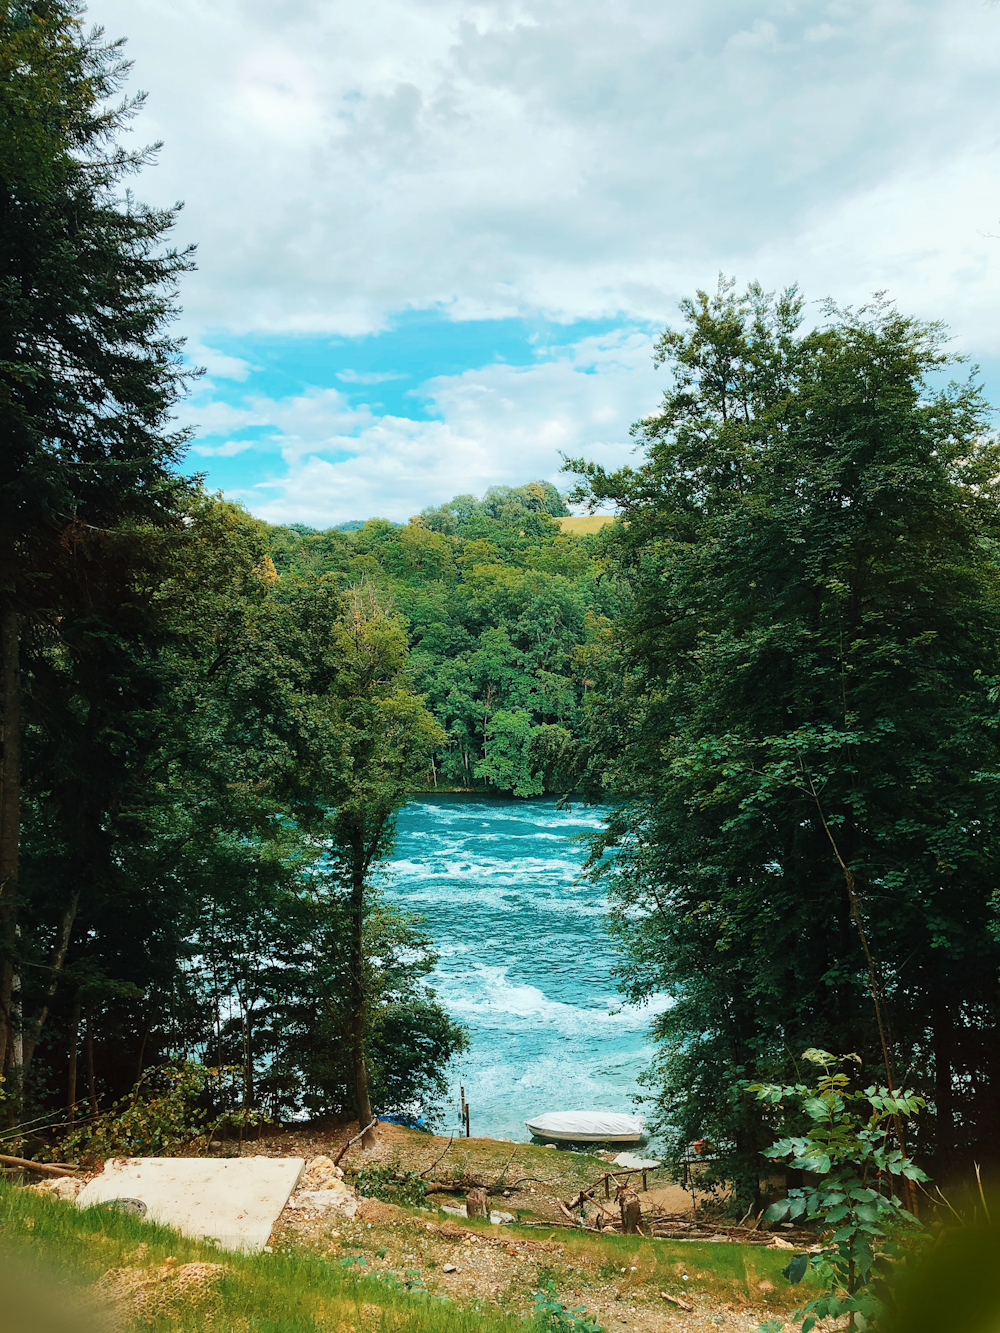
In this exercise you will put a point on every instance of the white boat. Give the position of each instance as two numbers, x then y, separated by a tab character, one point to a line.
587	1127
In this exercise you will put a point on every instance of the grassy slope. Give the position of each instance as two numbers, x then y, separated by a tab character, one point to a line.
293	1292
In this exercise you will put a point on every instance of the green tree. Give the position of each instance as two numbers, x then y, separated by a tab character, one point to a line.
385	735
88	375
797	715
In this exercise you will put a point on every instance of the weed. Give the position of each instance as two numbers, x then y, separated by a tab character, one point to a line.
553	1315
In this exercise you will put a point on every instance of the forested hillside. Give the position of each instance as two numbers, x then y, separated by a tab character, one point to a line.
505	611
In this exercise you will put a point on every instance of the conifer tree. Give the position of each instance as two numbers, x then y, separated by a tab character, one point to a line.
88	371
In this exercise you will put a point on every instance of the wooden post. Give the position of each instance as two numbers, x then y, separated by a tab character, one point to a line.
468	1124
607	1186
476	1203
645	1186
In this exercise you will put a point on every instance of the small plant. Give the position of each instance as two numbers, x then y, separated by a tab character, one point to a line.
391	1184
853	1145
553	1316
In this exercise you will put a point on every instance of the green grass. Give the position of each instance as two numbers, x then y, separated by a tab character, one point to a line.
721	1272
52	1249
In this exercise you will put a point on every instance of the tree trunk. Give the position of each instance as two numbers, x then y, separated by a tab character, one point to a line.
56	963
631	1210
15	1070
10	803
74	1046
89	1053
477	1203
359	998
142	1052
944	1105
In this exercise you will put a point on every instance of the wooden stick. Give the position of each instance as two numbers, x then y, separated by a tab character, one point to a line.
45	1168
440	1159
350	1142
676	1300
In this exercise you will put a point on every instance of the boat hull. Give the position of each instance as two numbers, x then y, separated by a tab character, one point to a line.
586	1127
547	1136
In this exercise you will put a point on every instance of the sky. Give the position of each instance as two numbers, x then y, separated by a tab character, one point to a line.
437	239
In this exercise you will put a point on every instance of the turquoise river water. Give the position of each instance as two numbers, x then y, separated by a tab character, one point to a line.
525	959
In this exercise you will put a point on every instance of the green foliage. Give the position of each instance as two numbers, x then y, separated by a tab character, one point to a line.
391	1184
507	761
232	742
551	1314
852	1144
164	1111
500	607
801	688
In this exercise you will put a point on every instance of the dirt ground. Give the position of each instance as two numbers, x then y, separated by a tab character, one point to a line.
624	1282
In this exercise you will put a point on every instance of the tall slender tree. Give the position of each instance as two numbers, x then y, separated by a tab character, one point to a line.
88	372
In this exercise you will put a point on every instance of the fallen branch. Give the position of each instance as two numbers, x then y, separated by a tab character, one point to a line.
45	1168
449	1231
350	1142
439	1160
501	1178
676	1300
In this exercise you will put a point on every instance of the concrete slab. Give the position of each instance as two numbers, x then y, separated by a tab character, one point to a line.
235	1201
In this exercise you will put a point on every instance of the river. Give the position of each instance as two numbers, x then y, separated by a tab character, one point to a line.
525	960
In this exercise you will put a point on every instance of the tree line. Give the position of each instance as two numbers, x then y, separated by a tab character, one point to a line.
504	611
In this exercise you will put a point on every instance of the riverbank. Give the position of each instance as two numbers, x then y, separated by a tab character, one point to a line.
636	1282
400	1261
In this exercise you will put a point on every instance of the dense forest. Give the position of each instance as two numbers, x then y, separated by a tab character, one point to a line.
778	667
505	607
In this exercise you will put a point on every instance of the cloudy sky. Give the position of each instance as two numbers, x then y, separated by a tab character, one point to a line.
436	238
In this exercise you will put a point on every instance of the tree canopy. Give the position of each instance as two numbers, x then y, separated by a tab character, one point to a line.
797	714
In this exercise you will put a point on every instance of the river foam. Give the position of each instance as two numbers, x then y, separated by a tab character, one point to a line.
525	960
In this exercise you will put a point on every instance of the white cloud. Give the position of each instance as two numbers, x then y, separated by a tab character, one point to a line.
218	365
366	376
343	162
555	161
499	424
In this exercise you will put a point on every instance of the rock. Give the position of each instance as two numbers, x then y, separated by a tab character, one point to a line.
235	1201
501	1219
455	1209
62	1187
631	1162
320	1173
127	1207
449	1268
333	1198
